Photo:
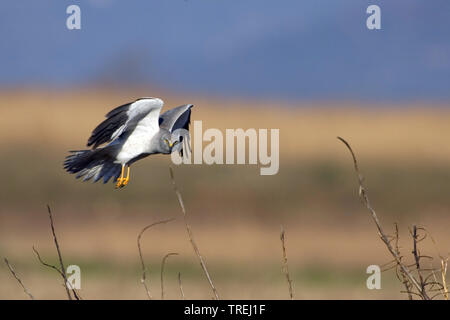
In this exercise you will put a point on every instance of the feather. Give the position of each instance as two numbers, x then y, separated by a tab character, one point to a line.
123	119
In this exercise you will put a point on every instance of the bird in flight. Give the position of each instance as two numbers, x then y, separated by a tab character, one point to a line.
132	131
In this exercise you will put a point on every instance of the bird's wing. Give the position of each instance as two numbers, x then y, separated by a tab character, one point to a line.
124	119
176	118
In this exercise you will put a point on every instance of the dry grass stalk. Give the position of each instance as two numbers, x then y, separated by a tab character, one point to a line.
163	263
191	236
18	279
285	267
399	271
443	287
181	286
141	257
61	270
417	258
365	200
444	264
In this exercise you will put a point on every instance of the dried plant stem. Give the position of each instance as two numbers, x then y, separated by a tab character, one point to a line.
191	236
417	260
76	295
163	263
18	279
444	264
61	270
181	286
285	267
141	257
61	263
403	279
365	199
443	269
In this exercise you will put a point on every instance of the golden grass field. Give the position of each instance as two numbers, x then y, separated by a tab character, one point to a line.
234	212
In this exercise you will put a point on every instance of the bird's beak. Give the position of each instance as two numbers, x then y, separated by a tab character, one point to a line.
170	144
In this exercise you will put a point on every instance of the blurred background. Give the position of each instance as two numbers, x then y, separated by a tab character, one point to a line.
314	72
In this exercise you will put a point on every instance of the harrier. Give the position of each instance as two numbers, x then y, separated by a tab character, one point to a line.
133	131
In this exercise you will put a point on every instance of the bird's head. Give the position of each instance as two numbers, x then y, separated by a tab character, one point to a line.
170	143
167	143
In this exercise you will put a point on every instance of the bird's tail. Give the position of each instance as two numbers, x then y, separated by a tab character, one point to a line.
96	164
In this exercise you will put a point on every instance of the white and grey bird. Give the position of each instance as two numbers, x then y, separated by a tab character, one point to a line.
132	131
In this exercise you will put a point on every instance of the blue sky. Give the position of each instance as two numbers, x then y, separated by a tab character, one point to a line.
309	49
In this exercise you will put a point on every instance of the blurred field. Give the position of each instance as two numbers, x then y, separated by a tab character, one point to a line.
235	213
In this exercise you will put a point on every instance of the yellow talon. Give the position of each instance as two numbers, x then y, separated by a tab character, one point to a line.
121	181
125	181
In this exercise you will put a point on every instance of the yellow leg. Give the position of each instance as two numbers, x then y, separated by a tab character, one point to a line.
125	182
120	179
